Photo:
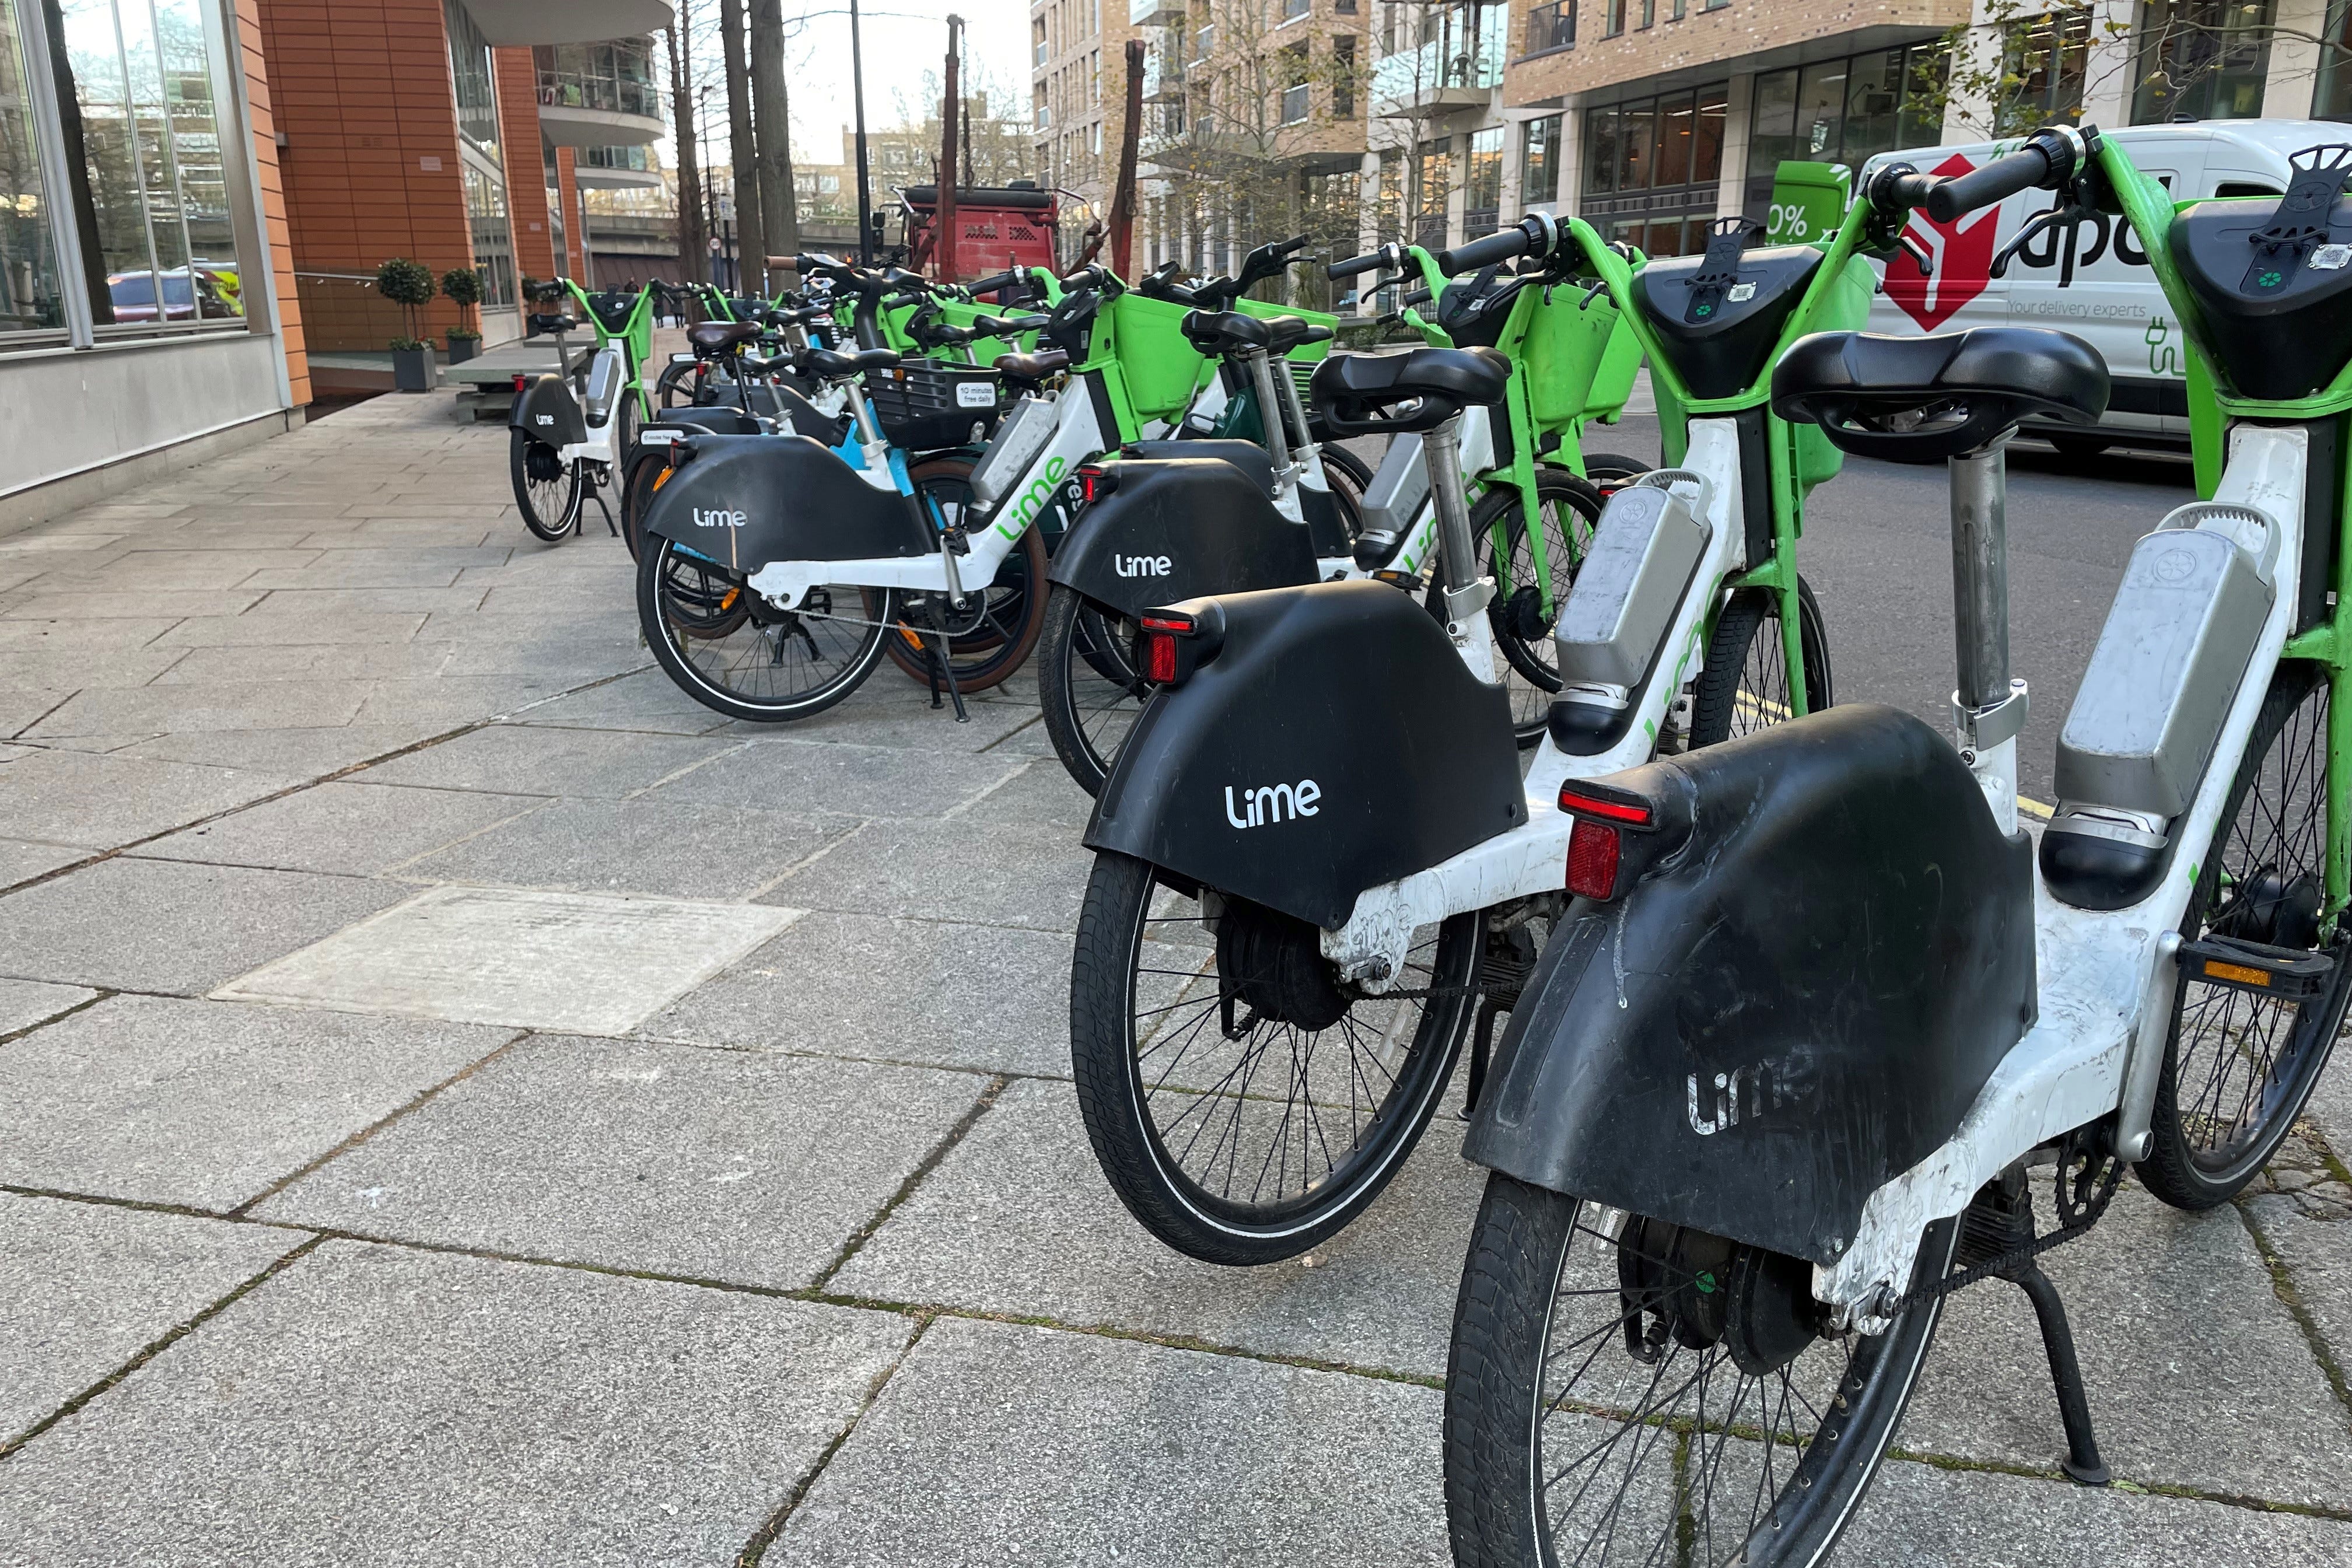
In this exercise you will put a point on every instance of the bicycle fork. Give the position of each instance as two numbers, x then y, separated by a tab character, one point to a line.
1465	591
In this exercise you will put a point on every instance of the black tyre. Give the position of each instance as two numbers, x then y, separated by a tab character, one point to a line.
2237	1066
1087	682
547	490
1349	476
1612	472
1567	510
735	654
1744	684
681	385
641	476
993	633
1564	1446
1243	1103
2078	450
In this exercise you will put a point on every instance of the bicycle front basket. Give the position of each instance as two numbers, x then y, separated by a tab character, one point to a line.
924	407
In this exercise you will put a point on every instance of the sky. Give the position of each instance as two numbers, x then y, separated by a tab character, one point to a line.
903	39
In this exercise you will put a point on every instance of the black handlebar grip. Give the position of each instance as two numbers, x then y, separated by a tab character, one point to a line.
1417	297
1982	187
1356	265
995	285
1289	247
1912	190
1485	252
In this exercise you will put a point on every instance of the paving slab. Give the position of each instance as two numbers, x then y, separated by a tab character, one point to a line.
519	760
1008	873
138	569
158	925
1019	1221
289	753
86	1287
545	960
45	669
912	991
147	604
887	711
19	710
854	780
355	829
204	1103
2330	1107
1041	793
649	701
277	623
203	705
80	636
996	1443
645	846
738	1167
20	858
2197	1374
303	661
1917	1516
24	1002
412	567
2318	1257
103	802
451	700
379	1407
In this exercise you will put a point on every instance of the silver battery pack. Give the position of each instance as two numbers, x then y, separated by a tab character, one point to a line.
1019	439
2168	661
1399	489
1647	546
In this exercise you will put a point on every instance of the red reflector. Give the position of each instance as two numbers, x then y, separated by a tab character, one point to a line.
520	384
1091	485
1182	626
1159	657
1593	805
1592	859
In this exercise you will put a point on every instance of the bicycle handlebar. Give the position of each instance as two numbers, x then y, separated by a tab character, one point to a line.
995	285
2048	157
1387	257
1486	252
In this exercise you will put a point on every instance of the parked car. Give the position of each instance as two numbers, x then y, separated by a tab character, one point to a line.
189	294
2087	279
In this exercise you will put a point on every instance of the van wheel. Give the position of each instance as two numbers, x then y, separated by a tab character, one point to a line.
2079	448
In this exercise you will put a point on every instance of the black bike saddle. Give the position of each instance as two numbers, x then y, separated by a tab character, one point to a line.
711	337
826	363
1923	400
1363	394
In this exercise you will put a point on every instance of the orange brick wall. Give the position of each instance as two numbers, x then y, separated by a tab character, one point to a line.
575	219
370	165
264	130
534	243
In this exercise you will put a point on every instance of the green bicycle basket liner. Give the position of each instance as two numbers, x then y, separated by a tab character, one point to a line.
1563	354
1160	368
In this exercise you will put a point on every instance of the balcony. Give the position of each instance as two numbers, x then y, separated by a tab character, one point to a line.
1154	13
599	94
509	22
1457	69
617	168
1160	84
1205	44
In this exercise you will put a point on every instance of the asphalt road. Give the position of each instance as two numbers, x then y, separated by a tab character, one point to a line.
1877	551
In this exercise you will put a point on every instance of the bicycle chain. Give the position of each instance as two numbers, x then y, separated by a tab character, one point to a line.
2088	1205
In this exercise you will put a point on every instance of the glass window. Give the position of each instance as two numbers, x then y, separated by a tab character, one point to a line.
1482	182
1600	151
1821	110
2044	57
1540	159
1772	127
1676	129
1343	76
1873	93
29	296
1616	18
1637	144
2200	60
143	150
1551	26
486	213
1706	143
1436	173
472	78
1925	69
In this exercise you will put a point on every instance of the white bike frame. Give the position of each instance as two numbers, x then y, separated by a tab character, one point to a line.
2106	980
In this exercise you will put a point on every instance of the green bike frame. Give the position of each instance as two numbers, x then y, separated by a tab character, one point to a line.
635	337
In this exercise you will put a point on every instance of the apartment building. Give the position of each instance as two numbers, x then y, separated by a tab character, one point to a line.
1077	104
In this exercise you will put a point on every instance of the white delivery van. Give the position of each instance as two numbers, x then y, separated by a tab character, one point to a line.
2090	279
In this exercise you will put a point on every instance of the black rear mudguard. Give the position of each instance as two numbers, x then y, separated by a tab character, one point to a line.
1181	529
715	419
546	411
745	501
1332	742
1828	952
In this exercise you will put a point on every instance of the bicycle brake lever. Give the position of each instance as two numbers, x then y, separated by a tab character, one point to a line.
1918	255
1999	265
1592	294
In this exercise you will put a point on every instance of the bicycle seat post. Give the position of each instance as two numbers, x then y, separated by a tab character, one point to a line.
1467	593
1988	708
1272	415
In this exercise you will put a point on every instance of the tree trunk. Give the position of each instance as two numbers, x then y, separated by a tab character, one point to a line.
750	236
772	129
1122	202
693	249
945	226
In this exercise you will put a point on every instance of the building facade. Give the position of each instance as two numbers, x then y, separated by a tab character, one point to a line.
1077	83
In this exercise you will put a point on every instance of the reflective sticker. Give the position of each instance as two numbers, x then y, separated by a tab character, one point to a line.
2331	258
975	394
1741	293
681	359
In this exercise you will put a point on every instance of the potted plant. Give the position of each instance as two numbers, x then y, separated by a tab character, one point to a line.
462	286
409	285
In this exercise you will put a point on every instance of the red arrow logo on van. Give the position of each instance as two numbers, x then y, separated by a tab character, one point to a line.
1959	251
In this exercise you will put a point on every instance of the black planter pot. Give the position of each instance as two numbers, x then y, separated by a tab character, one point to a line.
463	349
413	369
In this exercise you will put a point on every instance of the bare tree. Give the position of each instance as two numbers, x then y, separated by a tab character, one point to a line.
742	150
693	249
772	129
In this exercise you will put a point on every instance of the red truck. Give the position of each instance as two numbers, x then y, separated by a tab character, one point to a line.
997	227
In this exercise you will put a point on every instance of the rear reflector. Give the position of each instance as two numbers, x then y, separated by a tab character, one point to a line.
1574	799
522	384
1181	626
1592	859
1094	483
1160	666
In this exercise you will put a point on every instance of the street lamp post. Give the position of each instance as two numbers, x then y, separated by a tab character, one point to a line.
865	193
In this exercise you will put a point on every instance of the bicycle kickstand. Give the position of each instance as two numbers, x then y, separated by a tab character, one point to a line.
2082	1461
936	661
581	522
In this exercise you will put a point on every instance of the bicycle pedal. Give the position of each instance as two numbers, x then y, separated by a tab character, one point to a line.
2292	974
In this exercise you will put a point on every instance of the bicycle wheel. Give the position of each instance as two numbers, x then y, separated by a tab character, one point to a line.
995	630
1744	684
2238	1066
640	477
1567	510
547	490
1612	472
1089	683
736	654
1245	1104
1598	1413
